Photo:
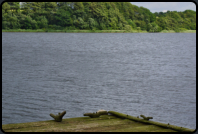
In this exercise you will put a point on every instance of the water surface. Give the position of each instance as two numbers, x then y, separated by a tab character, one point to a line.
153	74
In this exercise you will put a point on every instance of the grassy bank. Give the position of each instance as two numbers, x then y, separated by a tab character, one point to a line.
189	31
115	122
74	31
172	31
92	31
105	123
138	119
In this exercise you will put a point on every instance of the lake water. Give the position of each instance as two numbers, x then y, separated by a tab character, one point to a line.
153	74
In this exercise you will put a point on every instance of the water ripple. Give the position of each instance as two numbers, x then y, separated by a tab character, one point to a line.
129	73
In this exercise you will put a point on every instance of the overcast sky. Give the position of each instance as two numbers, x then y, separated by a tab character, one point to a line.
164	6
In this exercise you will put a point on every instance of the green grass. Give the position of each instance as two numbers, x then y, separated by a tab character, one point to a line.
74	31
92	31
172	31
167	31
23	30
189	31
116	122
103	123
168	126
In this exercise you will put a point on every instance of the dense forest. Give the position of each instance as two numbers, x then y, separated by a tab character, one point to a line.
92	16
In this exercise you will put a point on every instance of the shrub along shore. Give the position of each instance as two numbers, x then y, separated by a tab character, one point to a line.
94	31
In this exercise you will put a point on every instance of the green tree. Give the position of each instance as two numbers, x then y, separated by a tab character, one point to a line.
162	22
14	23
153	27
14	6
50	6
131	23
120	26
127	28
113	23
99	11
5	7
79	23
78	6
26	8
79	13
63	18
34	6
27	23
102	26
174	15
152	17
92	15
91	23
42	22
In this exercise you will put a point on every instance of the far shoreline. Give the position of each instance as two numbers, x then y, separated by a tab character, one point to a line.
94	31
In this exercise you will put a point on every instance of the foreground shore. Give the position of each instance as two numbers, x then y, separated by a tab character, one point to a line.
93	31
113	122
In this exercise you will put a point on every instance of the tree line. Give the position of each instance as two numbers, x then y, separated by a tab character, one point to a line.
92	16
